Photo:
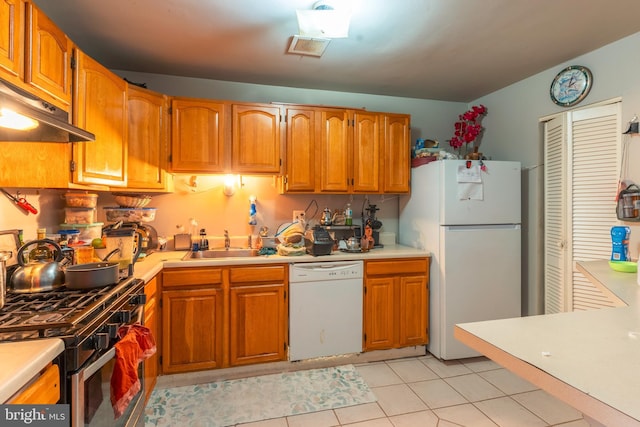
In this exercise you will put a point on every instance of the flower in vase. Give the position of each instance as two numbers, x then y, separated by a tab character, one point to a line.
468	127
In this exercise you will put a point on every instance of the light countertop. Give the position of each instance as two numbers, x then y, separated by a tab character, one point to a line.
590	359
155	262
21	361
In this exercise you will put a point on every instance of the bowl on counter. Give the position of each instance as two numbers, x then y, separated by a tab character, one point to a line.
132	200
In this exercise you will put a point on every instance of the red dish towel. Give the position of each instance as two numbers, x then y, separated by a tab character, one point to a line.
136	344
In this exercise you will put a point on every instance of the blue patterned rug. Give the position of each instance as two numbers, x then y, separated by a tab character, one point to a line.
227	403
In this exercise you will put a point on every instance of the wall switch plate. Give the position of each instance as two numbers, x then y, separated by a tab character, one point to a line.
298	216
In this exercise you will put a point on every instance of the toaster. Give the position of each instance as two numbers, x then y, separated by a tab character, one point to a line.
318	241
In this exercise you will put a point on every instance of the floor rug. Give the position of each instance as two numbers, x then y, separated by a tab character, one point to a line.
226	403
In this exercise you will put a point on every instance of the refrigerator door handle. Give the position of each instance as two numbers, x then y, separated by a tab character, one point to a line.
483	227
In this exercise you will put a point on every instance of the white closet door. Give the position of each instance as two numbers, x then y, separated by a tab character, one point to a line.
556	297
595	161
582	158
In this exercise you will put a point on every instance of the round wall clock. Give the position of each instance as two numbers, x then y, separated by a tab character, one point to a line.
571	85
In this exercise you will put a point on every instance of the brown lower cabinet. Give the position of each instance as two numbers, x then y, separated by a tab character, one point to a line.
215	317
396	303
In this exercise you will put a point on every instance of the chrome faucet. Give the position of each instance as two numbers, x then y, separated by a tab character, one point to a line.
227	240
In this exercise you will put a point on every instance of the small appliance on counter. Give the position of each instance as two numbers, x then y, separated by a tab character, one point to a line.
371	221
132	212
318	241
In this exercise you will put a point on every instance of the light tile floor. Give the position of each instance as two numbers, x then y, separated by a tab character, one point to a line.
427	392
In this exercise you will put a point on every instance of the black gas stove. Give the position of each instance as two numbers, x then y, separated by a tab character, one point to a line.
88	322
85	320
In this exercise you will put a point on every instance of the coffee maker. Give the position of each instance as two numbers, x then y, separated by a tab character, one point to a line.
371	220
149	237
147	234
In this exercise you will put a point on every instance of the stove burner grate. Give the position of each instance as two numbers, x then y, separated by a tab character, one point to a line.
55	313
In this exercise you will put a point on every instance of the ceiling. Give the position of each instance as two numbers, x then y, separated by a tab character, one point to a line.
453	50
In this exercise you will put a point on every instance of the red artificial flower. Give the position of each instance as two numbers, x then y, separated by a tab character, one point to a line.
467	128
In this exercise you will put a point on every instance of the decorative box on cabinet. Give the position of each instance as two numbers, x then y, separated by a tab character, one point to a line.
396	303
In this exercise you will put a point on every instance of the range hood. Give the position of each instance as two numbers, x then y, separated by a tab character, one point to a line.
51	123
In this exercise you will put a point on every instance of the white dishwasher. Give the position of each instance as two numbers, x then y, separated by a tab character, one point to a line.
325	309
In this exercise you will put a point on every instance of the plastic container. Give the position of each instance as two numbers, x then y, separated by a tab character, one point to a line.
88	232
69	236
130	214
81	200
79	215
620	243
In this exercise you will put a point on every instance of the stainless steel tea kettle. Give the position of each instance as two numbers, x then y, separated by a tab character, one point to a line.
327	217
38	275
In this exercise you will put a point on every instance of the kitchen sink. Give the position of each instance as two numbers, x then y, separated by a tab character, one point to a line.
221	253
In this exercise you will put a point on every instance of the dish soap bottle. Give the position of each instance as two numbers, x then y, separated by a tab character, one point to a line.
348	215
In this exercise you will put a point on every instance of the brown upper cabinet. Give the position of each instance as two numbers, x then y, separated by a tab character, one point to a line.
100	106
396	153
314	149
12	31
198	135
34	53
148	140
256	139
333	150
365	167
48	68
300	168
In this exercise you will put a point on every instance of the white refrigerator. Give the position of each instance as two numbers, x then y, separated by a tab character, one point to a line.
469	220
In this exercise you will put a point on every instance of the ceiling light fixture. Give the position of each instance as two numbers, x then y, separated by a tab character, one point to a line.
329	19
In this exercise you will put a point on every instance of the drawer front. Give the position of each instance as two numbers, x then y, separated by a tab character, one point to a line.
191	276
397	266
45	390
258	274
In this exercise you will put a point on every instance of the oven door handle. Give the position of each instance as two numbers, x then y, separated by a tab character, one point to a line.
98	364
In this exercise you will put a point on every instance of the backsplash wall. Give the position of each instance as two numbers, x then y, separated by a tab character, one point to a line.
213	210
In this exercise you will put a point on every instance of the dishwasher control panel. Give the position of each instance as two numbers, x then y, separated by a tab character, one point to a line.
336	270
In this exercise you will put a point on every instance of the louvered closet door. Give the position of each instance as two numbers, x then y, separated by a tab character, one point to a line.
582	158
595	159
556	297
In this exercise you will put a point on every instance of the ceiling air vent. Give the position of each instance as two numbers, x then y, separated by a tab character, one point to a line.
311	46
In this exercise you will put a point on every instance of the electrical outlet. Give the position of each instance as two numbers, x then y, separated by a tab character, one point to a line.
298	215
